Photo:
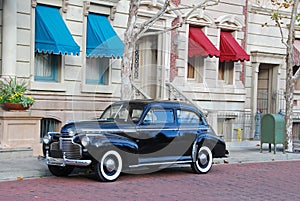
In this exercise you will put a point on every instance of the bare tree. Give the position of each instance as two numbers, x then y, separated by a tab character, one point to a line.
135	31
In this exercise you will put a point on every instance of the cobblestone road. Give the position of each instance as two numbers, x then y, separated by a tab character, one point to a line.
248	181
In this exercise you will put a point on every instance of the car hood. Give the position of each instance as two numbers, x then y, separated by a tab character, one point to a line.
96	126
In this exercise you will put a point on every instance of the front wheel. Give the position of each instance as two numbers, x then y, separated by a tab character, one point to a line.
203	162
60	171
109	167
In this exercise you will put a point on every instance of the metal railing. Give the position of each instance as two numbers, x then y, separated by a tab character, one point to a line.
175	94
267	102
230	125
138	93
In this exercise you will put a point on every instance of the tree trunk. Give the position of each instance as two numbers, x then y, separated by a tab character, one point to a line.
289	97
289	104
129	38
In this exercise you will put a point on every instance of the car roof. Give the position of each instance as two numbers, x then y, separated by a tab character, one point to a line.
153	102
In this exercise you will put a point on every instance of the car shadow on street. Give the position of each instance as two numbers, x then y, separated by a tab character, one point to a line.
134	174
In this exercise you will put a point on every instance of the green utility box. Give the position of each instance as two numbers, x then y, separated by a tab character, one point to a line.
272	131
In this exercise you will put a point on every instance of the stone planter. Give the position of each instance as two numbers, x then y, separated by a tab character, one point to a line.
20	130
15	106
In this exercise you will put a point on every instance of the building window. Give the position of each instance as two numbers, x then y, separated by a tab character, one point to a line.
195	69
226	71
49	125
97	70
296	131
47	67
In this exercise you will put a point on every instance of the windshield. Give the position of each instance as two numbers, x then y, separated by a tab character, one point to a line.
122	113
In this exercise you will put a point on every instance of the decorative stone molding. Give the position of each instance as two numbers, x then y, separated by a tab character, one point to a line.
229	22
86	7
154	2
200	18
267	57
33	3
65	4
113	11
114	1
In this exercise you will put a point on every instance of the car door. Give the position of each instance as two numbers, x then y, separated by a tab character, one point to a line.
156	133
190	125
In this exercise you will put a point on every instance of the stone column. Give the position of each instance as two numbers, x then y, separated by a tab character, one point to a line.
255	71
9	38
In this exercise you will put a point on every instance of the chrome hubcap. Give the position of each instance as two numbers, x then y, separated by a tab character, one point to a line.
202	158
110	164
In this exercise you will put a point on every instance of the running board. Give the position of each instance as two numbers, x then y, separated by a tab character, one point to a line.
160	163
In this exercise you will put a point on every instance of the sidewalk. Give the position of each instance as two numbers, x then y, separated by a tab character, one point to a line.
25	166
249	151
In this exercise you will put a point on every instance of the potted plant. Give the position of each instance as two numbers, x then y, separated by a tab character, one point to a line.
12	94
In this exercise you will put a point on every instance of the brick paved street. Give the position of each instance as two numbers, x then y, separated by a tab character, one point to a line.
249	181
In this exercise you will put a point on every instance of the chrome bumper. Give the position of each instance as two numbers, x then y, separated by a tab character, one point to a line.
64	161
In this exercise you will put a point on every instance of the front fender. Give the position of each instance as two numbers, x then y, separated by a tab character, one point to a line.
99	143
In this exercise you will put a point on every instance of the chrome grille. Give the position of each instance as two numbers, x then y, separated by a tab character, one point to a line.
72	150
54	146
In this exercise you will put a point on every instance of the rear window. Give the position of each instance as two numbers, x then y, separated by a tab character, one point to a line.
188	117
159	116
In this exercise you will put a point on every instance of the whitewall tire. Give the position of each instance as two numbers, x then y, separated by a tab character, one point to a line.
204	160
109	167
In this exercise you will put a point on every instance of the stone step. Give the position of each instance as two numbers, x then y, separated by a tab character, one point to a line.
296	144
9	153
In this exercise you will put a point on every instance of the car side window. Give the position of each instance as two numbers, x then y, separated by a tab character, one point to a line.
159	116
122	115
136	114
188	117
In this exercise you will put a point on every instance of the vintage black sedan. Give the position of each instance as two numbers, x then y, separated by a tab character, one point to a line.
135	134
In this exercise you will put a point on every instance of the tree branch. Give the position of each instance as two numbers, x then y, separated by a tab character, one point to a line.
182	19
281	32
145	26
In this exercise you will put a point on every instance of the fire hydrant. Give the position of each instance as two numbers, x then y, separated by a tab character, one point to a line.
239	134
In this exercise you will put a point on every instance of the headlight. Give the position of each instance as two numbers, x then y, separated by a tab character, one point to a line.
46	139
85	141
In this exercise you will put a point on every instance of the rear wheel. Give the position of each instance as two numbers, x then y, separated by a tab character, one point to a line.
60	171
109	167
203	162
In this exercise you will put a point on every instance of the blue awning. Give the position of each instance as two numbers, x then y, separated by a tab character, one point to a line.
102	40
52	34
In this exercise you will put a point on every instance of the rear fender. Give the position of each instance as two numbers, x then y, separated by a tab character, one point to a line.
216	144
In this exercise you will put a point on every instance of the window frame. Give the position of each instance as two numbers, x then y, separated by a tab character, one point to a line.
226	72
55	66
104	79
197	65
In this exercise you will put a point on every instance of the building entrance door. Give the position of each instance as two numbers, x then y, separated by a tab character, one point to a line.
147	68
267	89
